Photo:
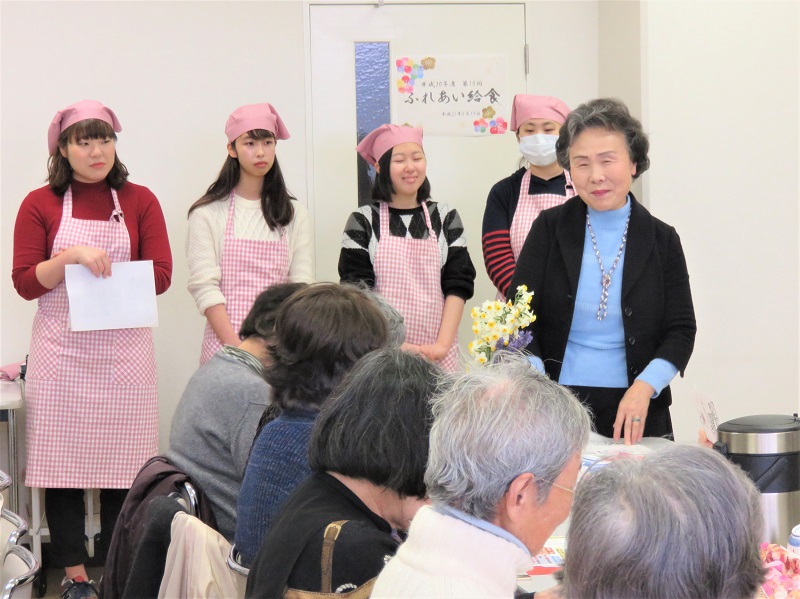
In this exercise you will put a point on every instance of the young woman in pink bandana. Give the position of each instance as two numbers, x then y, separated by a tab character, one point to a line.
516	201
92	399
411	249
247	232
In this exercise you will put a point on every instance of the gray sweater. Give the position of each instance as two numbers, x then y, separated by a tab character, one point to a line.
213	430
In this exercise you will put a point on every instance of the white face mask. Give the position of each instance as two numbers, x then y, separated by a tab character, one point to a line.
539	149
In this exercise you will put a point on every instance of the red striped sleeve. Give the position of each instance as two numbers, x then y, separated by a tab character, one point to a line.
498	258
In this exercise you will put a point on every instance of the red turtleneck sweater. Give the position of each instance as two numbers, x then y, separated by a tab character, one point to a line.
39	218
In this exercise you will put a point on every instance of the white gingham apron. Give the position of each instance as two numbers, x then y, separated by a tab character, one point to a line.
528	208
408	273
248	267
92	398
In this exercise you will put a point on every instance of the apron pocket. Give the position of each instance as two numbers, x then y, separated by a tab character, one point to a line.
134	357
46	347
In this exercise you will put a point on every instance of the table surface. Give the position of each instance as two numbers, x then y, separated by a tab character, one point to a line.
10	395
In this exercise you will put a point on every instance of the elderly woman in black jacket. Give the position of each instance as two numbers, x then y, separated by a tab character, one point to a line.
615	320
368	451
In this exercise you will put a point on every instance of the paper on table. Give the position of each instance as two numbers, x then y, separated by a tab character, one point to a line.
600	448
550	558
125	300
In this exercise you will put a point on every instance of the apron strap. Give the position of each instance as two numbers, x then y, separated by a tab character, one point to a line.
383	212
428	220
117	213
66	204
229	221
569	188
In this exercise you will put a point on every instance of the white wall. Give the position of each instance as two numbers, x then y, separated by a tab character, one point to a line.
620	66
173	72
563	41
720	100
619	50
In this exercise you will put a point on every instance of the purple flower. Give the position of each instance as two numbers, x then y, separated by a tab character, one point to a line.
520	340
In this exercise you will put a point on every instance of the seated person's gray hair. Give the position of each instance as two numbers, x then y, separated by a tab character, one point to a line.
682	523
395	320
495	423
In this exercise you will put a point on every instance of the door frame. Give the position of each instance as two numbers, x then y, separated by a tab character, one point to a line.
309	138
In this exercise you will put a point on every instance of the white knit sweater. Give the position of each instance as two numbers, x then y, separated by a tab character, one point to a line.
207	231
445	557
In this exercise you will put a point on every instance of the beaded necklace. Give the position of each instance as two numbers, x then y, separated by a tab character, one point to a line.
605	277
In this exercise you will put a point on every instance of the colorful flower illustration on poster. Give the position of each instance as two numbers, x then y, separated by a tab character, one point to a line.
452	95
408	72
488	122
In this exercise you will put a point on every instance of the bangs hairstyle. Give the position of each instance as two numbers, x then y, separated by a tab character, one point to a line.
320	332
59	172
276	201
383	189
610	114
376	425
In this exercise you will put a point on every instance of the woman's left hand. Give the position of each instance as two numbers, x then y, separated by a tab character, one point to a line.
632	412
434	352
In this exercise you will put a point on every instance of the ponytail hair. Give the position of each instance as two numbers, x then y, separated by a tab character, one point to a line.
276	201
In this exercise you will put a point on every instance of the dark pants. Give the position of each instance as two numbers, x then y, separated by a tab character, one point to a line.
65	518
604	401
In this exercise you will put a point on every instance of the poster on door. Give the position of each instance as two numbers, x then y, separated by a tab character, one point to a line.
463	95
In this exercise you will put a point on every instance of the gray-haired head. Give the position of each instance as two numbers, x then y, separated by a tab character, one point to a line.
610	114
397	327
682	523
495	423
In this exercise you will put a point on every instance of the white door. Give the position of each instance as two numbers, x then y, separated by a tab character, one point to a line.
461	169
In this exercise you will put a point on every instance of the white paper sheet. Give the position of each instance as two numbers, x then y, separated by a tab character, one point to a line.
125	300
708	414
602	448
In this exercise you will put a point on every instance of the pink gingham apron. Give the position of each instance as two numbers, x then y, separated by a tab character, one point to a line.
248	267
528	208
92	397
408	274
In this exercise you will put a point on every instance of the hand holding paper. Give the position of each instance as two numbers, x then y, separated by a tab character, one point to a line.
125	301
95	259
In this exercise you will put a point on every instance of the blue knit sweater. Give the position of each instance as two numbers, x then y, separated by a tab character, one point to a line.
278	464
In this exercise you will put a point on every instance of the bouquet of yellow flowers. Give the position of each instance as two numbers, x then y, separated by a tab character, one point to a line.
499	326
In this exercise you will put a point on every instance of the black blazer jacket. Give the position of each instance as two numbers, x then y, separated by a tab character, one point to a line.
658	314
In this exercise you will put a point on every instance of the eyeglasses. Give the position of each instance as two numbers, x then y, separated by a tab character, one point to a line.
563	487
553	483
